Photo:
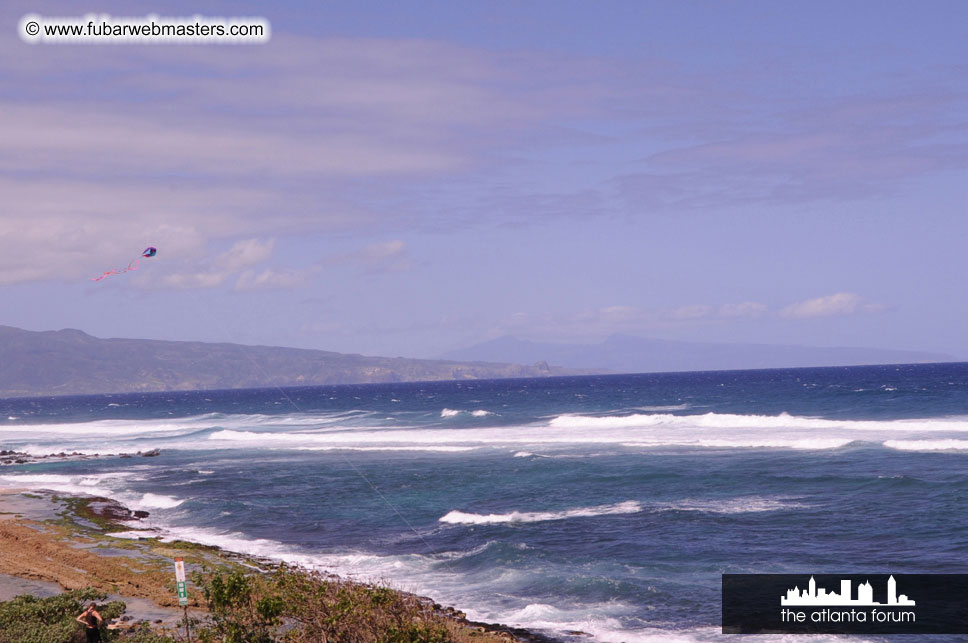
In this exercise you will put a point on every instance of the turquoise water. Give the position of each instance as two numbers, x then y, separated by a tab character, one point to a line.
609	505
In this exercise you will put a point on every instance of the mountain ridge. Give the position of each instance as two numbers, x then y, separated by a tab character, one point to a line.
72	362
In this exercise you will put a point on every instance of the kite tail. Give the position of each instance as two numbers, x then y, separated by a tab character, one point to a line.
131	266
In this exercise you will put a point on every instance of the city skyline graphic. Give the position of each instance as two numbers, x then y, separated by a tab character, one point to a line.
812	595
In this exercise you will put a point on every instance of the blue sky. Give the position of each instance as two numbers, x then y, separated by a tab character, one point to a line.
411	178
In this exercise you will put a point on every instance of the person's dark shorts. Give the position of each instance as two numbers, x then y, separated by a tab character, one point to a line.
93	635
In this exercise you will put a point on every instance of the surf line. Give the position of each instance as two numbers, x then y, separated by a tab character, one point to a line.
342	455
360	473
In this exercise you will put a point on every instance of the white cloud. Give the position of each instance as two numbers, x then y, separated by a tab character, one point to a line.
616	314
587	325
836	305
243	254
696	311
383	251
744	309
250	142
190	281
388	256
600	322
272	279
74	229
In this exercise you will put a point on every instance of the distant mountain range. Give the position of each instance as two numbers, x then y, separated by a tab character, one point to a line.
627	354
70	362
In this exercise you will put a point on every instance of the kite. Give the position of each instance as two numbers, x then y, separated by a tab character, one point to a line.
150	251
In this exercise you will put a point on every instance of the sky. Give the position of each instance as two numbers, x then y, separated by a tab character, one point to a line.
411	178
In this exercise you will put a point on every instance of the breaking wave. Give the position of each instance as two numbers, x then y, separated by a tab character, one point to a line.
462	518
927	445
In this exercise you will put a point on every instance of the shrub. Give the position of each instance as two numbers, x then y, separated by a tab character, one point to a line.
241	610
28	619
306	607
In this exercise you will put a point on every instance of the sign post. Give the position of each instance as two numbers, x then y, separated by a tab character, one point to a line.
181	586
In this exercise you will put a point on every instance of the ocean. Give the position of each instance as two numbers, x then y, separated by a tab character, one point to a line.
609	505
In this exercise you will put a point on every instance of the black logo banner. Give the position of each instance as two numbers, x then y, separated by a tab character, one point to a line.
845	603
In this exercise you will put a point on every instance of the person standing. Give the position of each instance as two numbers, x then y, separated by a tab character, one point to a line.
92	623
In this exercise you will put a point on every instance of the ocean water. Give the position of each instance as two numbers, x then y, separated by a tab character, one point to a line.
609	505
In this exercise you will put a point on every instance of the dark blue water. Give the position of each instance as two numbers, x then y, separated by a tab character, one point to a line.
609	504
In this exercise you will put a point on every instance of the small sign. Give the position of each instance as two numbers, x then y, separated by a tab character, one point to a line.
181	585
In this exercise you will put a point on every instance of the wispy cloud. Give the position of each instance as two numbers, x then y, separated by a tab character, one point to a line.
242	255
272	138
376	258
836	305
845	148
197	146
608	320
747	309
273	279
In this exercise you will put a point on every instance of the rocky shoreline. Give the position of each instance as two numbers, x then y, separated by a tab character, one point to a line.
19	457
72	545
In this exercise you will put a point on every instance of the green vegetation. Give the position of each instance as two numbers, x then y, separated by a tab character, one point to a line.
27	619
303	607
285	605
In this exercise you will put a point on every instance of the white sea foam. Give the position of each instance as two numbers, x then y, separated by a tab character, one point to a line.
157	501
106	485
359	430
97	430
354	564
379	440
88	480
732	421
103	428
40	450
411	571
479	413
238	543
523	454
37	478
927	445
637	431
461	518
54	482
740	505
439	449
601	623
749	443
134	534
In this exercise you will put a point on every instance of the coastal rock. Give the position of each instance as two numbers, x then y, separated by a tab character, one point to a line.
111	510
17	457
151	454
